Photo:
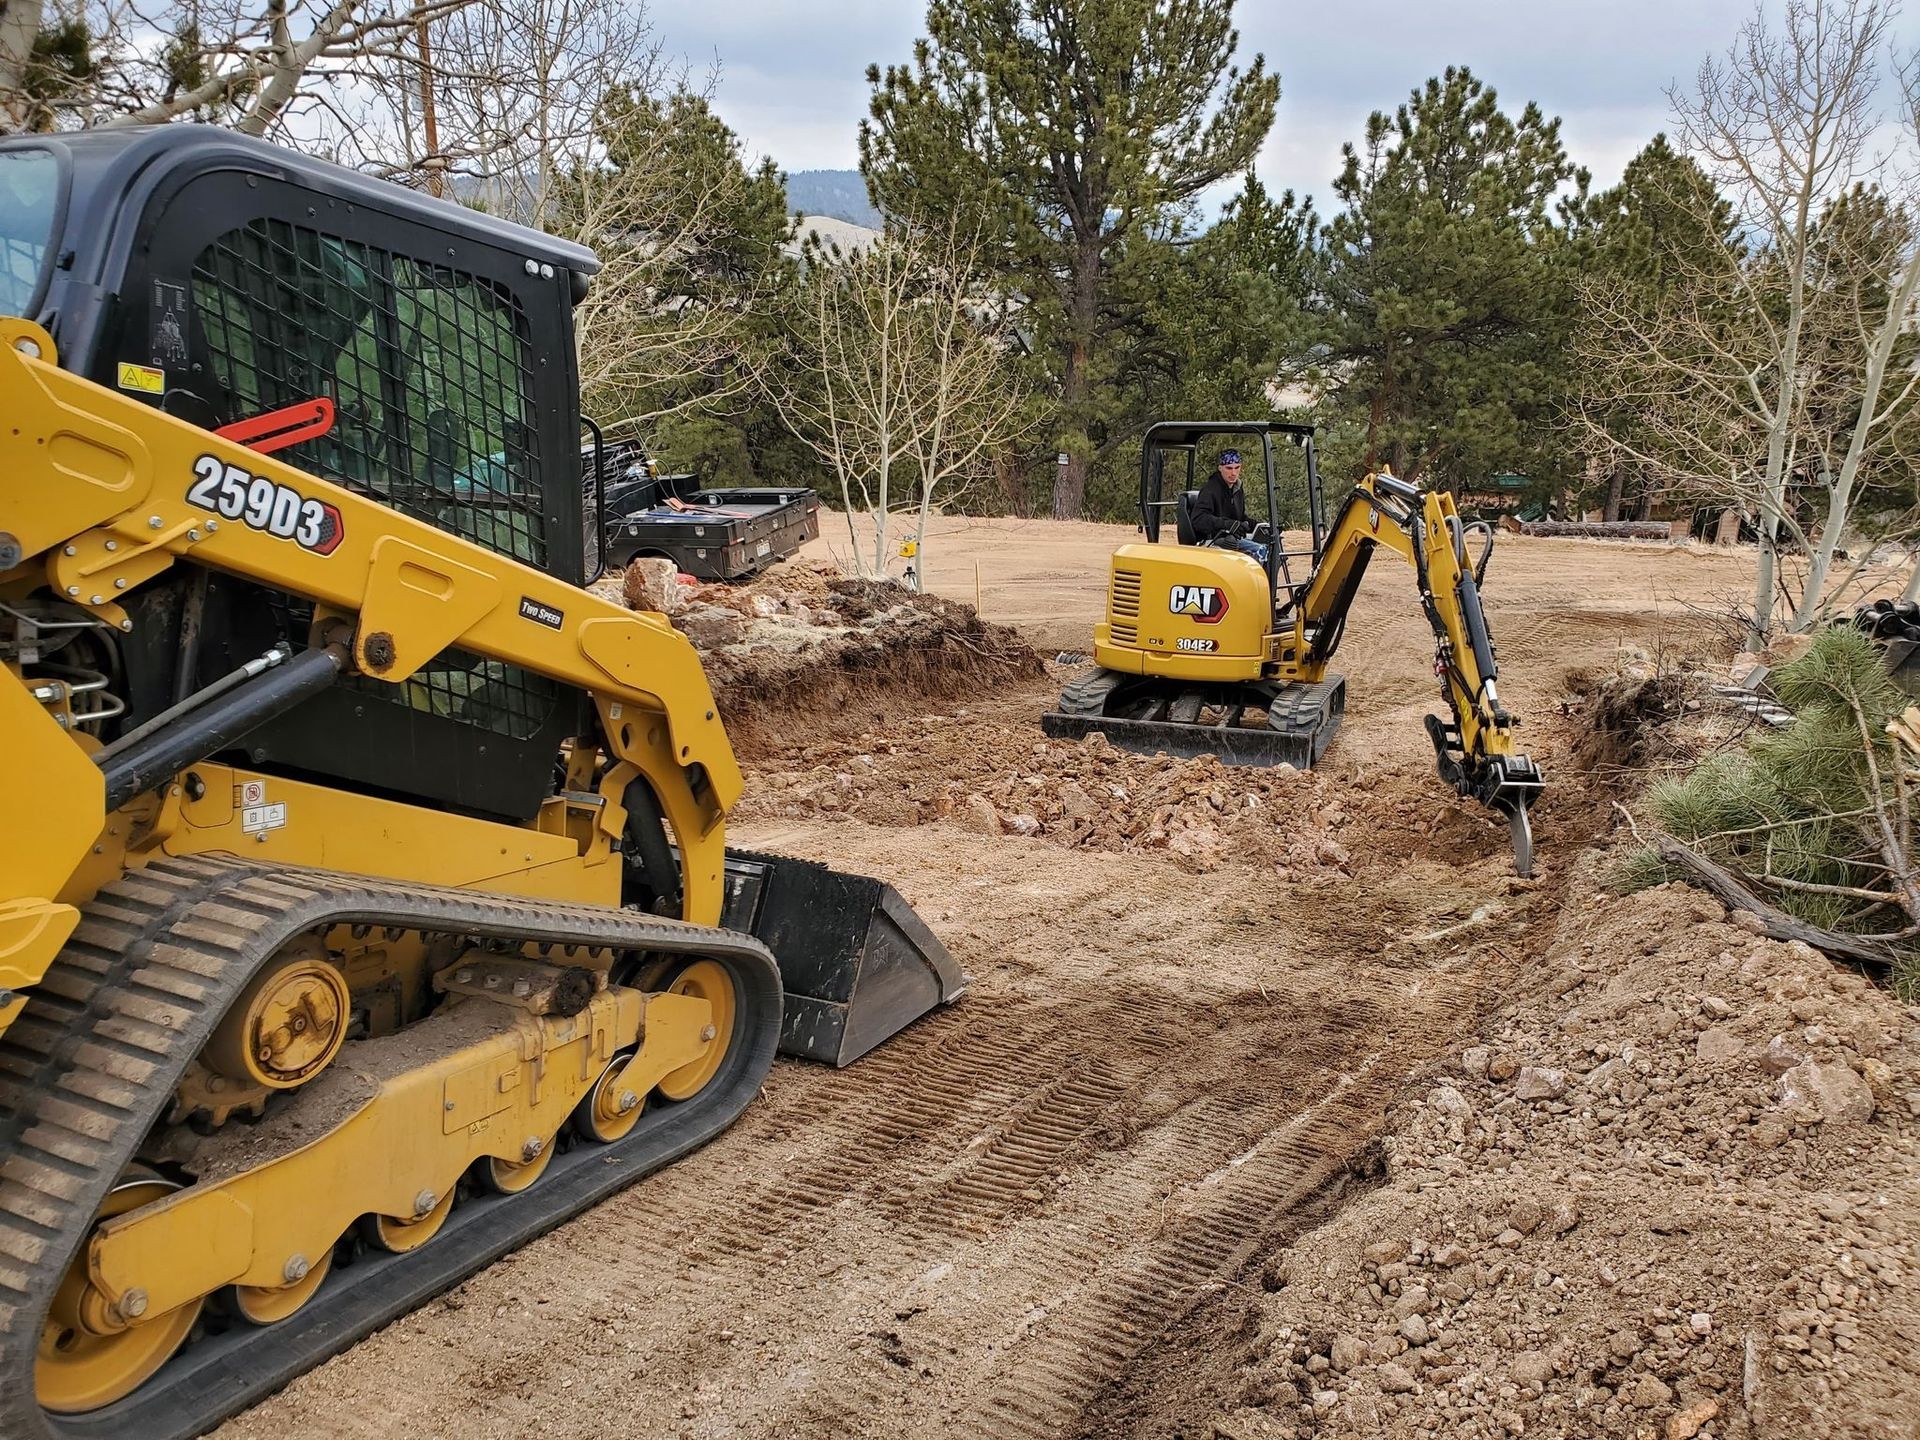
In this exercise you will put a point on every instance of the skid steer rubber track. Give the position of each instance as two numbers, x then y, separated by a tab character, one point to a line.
1301	721
91	1065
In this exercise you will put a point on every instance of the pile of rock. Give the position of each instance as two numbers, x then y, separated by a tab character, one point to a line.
1675	1194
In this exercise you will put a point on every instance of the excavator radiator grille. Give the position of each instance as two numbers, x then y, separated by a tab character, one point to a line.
1124	597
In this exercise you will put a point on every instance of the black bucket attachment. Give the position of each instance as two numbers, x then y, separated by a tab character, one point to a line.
1302	721
858	965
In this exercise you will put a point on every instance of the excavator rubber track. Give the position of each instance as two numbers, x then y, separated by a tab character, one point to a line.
91	1066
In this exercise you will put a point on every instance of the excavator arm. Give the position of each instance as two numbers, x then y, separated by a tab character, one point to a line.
1476	753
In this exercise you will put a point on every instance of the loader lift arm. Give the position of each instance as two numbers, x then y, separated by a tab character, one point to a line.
123	508
1476	753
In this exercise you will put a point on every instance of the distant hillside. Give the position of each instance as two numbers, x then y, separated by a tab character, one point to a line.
848	236
840	194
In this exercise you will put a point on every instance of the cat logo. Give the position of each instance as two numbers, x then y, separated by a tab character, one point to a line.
1204	603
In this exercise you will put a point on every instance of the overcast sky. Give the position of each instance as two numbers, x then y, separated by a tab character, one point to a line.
791	72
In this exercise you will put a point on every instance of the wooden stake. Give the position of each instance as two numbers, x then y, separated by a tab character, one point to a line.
976	587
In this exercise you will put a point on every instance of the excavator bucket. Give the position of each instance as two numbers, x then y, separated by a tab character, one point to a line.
1301	721
858	965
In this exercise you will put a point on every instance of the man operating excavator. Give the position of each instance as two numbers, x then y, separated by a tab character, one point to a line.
1220	512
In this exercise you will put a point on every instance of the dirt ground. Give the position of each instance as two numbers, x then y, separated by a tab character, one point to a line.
1298	1117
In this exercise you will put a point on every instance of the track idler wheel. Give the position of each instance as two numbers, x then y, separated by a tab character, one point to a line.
397	1235
612	1108
264	1305
710	981
89	1358
510	1177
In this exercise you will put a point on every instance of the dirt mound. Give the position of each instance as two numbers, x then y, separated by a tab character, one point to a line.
801	641
1670	1195
987	768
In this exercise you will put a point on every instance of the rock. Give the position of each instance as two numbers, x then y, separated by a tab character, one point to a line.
1719	1045
1076	802
1348	1351
1648	1393
1474	1061
1020	824
610	587
711	626
1414	1300
1623	1345
1451	1254
1395	1379
1839	1095
1525	1216
1531	1367
1502	1067
1748	921
1879	1077
1687	1423
1385	1252
1716	1007
979	816
1324	1401
1414	1329
765	606
1700	1323
1779	1056
1536	1082
653	583
1565	1216
1450	1102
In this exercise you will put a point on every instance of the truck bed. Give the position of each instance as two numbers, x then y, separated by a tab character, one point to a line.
721	534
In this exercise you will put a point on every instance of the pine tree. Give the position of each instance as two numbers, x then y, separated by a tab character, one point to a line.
1225	314
1449	286
1063	130
1651	234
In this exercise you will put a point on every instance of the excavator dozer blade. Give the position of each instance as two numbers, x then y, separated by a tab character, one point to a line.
1232	745
858	965
1303	722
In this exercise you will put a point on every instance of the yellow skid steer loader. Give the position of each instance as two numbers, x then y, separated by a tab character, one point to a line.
365	905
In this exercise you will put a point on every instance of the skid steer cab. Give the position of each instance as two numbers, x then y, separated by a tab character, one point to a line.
1208	649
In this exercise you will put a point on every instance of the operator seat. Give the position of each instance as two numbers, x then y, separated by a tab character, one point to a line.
1183	518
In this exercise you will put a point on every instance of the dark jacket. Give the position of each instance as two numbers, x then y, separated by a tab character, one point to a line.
1219	509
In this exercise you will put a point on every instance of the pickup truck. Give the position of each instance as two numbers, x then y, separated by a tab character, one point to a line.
714	532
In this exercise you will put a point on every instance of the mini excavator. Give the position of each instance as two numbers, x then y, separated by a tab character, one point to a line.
1205	651
365	905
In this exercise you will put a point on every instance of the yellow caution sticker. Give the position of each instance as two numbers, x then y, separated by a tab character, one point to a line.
147	379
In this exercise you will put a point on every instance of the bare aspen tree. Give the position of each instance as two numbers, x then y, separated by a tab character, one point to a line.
566	115
249	64
897	379
1763	370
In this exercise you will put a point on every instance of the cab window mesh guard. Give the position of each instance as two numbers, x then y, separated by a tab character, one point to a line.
429	374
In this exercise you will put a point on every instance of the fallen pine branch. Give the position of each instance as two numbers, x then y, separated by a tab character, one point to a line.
1774	921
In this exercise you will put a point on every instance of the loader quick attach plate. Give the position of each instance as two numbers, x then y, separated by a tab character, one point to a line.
857	964
1303	720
